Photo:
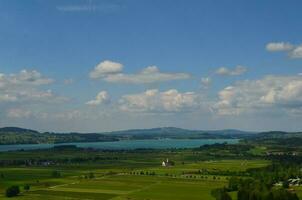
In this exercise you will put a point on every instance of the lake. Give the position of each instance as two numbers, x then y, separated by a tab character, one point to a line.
127	144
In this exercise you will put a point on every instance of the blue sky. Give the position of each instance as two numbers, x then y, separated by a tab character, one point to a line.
191	64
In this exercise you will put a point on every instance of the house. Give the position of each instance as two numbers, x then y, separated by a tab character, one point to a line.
291	182
167	163
294	181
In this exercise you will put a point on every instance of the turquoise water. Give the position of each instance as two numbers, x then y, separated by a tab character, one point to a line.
127	144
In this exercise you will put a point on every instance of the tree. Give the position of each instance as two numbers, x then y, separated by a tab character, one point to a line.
225	196
221	194
26	187
233	183
12	191
91	175
285	184
242	194
56	174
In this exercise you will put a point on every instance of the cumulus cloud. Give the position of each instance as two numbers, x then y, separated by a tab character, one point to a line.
279	46
238	70
101	98
112	72
296	52
24	86
293	51
271	92
104	68
23	78
154	101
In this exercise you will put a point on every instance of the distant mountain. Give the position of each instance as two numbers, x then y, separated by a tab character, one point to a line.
179	133
15	135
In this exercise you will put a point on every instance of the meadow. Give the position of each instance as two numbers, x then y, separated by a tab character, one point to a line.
181	181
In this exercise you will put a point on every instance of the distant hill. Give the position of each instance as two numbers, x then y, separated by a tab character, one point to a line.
284	139
15	135
16	130
179	133
278	134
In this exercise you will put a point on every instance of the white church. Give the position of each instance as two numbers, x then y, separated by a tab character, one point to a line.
166	163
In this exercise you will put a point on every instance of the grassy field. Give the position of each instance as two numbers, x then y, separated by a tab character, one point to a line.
219	165
120	184
126	187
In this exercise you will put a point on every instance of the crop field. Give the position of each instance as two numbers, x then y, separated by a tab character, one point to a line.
214	165
120	184
127	187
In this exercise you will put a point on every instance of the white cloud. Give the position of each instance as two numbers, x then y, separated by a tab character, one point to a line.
238	70
271	92
154	101
279	46
101	98
112	72
24	86
104	68
296	52
23	78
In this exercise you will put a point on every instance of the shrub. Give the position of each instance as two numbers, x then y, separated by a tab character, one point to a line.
12	191
26	187
91	175
56	174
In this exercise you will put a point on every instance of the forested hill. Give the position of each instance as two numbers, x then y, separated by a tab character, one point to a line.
179	133
278	134
15	135
16	130
277	138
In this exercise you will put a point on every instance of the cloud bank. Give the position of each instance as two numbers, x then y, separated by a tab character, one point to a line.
293	51
272	92
154	101
112	72
238	70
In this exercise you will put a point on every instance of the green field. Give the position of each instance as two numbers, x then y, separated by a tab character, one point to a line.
212	165
168	183
126	187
